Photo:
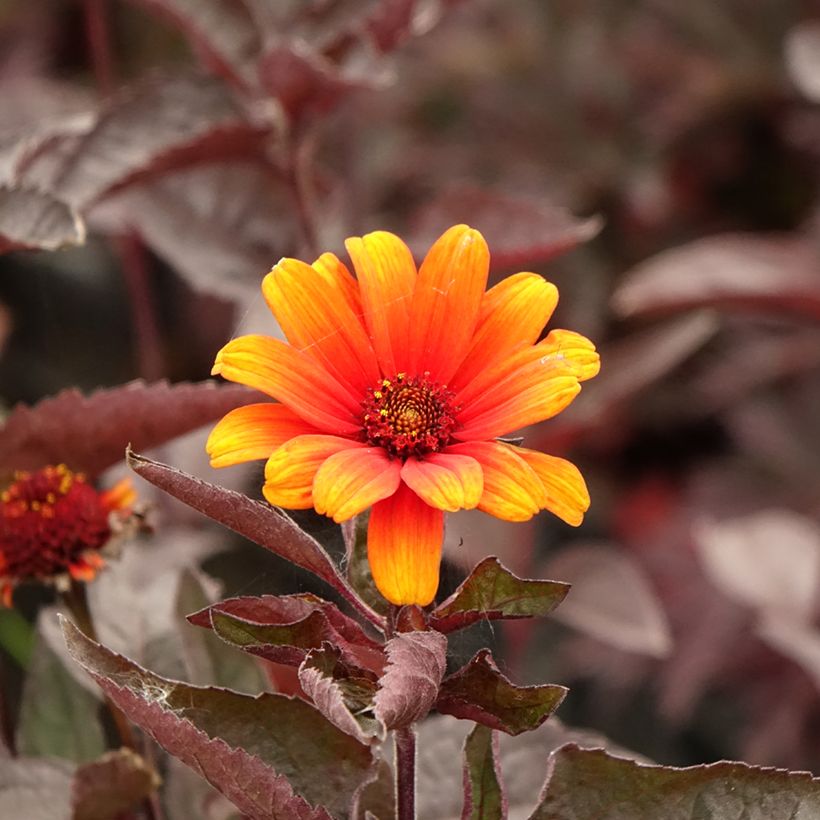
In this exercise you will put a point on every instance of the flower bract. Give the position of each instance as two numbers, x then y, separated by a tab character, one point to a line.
392	391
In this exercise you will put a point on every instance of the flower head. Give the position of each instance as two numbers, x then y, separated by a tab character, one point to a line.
393	391
53	526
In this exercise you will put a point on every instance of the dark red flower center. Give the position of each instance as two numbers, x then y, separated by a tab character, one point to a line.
409	415
48	519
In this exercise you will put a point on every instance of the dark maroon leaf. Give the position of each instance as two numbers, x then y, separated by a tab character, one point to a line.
34	219
490	592
484	797
520	232
408	688
267	526
111	785
90	433
775	273
584	783
223	33
479	692
274	757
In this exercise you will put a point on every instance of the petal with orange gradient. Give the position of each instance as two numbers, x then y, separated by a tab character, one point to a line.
567	494
121	496
513	314
317	319
253	432
447	302
446	481
291	468
387	277
339	279
353	480
404	539
512	489
292	378
573	350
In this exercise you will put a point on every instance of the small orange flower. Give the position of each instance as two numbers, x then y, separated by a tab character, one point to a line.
53	525
394	390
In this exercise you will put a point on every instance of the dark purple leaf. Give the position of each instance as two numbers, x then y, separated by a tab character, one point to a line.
520	232
490	592
111	785
479	692
774	273
408	688
484	797
274	757
90	433
32	219
584	783
267	526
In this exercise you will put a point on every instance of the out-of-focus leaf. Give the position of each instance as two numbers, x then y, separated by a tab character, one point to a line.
267	526
484	797
585	783
90	433
479	692
58	717
520	232
796	640
611	600
32	219
16	636
283	629
222	33
802	52
340	694
36	789
776	273
164	124
270	755
408	688
115	783
769	560
378	799
490	592
359	575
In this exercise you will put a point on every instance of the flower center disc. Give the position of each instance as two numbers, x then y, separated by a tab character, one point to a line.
409	415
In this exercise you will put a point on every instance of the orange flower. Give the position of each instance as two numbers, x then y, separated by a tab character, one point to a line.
394	390
53	526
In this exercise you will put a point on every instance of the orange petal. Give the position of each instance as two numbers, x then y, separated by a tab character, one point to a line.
6	590
447	301
512	489
447	482
513	313
293	378
353	480
317	319
339	278
119	497
85	568
387	278
253	432
291	469
567	495
404	540
573	350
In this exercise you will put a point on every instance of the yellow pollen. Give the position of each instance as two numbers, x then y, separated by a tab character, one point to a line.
5	497
51	498
383	412
35	506
377	394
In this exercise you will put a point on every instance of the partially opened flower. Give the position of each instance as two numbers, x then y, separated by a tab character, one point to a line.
54	527
394	390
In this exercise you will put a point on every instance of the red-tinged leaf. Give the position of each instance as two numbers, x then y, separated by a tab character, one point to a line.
90	433
35	788
344	697
520	232
484	797
274	757
491	592
223	33
802	52
408	688
585	783
611	600
111	785
267	526
31	219
795	639
284	629
161	125
479	692
774	273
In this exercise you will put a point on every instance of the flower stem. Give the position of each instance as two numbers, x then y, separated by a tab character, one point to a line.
405	740
6	728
